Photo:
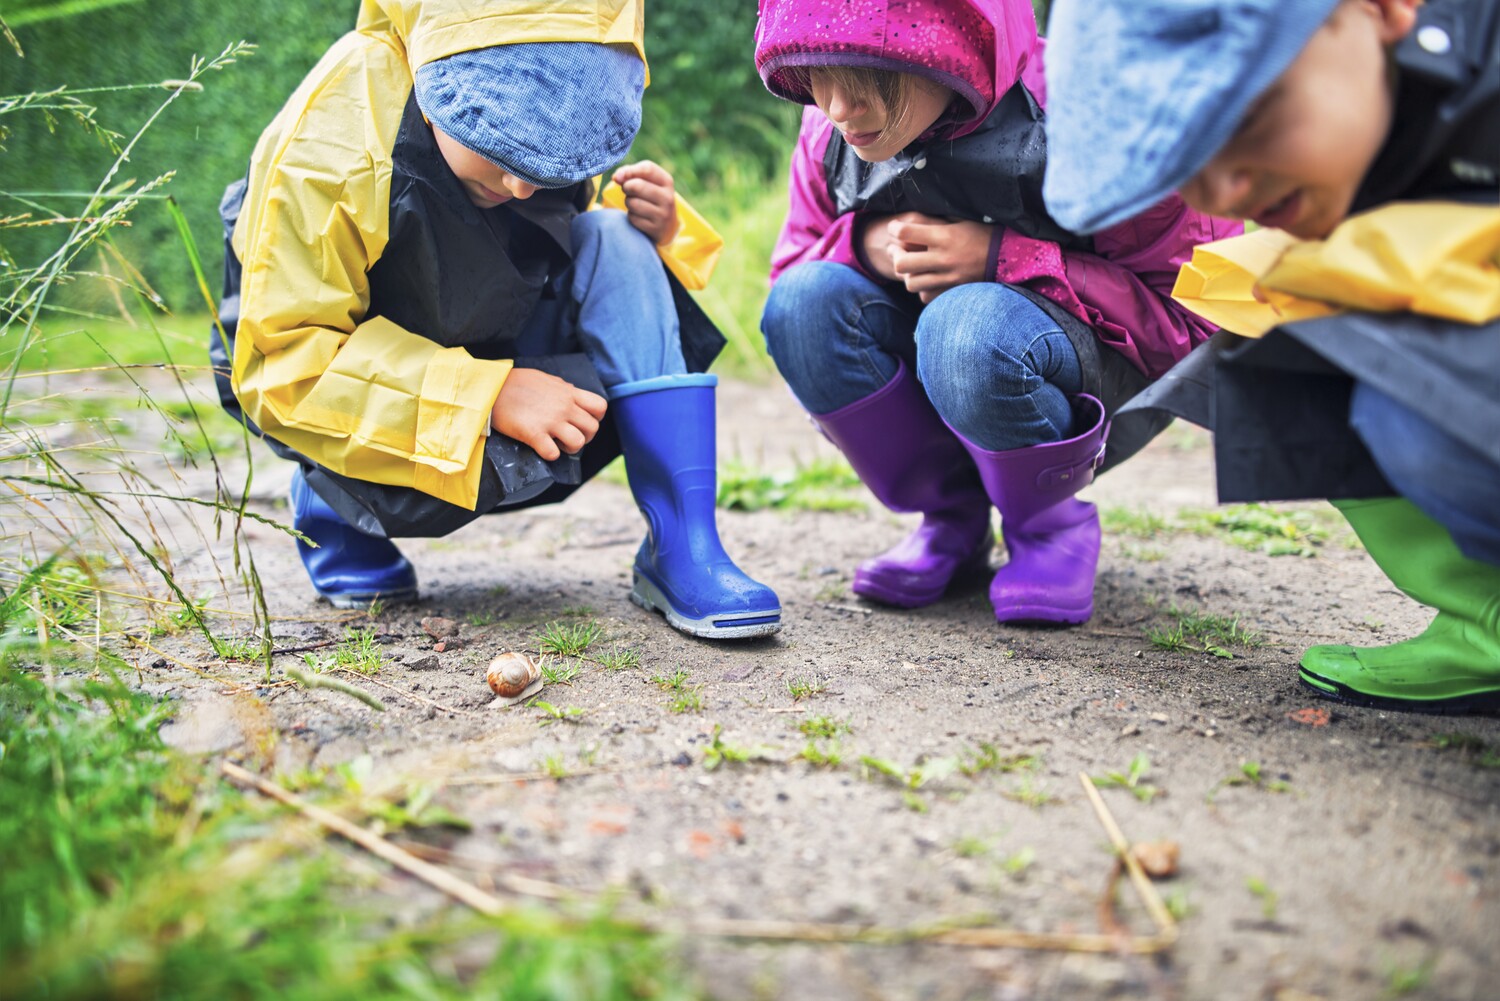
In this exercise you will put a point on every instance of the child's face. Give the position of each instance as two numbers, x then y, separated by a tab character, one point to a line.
486	184
1303	149
865	122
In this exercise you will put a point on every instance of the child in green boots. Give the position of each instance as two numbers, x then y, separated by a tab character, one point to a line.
1313	117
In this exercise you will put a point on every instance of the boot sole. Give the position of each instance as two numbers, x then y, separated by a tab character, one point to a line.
732	626
1043	615
1478	702
362	602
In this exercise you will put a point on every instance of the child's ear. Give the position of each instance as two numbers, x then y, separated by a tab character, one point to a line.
1397	18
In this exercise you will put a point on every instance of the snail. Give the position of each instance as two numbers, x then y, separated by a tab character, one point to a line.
513	677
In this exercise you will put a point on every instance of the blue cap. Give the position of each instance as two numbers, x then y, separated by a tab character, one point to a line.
1142	93
552	113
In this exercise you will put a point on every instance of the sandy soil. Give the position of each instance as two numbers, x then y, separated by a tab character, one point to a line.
1376	868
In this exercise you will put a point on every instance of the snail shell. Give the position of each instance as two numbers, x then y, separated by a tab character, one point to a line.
513	677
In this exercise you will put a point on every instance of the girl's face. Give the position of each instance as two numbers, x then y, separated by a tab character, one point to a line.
1302	151
868	126
486	184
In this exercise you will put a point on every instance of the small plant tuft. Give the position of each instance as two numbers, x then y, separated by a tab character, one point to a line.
805	688
570	639
1133	779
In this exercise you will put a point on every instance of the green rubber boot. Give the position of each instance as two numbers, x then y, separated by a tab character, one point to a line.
1454	666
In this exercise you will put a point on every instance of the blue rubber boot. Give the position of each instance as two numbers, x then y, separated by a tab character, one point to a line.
666	430
348	567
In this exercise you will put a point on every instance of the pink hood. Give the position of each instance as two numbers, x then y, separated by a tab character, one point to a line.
977	48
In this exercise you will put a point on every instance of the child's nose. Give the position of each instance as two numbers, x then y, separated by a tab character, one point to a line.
1219	189
841	107
519	188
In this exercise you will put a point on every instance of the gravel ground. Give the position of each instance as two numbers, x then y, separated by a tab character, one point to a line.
1364	863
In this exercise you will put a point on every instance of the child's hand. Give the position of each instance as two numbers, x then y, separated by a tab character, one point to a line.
546	412
650	200
875	243
932	255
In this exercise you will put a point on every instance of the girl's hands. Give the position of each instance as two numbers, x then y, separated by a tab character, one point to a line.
549	414
650	200
927	254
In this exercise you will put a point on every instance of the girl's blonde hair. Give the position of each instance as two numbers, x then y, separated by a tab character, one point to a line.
887	88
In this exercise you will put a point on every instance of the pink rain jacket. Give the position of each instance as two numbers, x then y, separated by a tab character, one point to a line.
980	49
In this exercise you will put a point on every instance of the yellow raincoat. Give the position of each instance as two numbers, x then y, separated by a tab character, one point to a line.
365	397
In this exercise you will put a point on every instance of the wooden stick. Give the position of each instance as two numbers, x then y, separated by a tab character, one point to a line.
516	884
1165	923
464	893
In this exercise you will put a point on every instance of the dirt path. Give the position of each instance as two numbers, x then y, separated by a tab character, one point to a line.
1375	869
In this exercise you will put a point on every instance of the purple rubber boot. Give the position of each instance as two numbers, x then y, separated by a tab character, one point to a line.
1052	538
911	461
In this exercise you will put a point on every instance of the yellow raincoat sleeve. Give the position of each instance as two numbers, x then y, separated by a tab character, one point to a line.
365	398
693	253
1431	258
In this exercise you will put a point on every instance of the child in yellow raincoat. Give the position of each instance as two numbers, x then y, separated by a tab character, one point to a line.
1312	117
422	313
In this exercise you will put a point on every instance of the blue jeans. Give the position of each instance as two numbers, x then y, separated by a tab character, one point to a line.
1452	483
617	307
995	366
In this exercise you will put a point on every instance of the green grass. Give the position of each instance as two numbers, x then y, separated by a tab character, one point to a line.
824	726
1133	779
1204	632
1260	528
805	688
688	700
570	639
675	682
1135	523
1268	898
558	673
359	651
618	659
823	757
135	872
822	485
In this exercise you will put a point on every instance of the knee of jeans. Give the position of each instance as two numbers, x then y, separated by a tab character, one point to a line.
804	299
607	226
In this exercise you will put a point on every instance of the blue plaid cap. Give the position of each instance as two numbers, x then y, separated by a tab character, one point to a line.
1142	93
552	113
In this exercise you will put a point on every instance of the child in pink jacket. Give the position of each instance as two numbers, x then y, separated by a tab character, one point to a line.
958	345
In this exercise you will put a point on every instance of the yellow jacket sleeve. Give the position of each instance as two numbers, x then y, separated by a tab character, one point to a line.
365	398
693	253
1437	259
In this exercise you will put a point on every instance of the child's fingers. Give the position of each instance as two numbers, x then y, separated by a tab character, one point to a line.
647	169
916	262
591	403
931	281
570	438
920	233
644	190
543	444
